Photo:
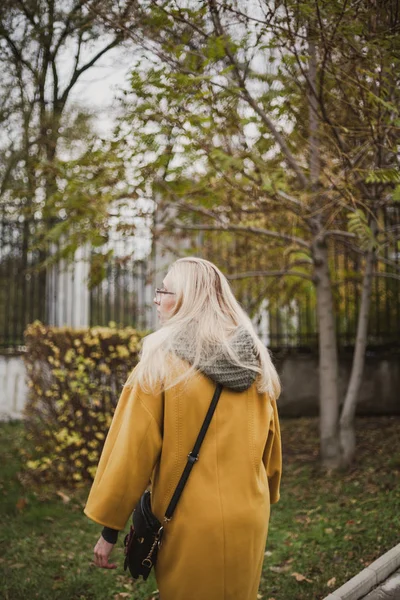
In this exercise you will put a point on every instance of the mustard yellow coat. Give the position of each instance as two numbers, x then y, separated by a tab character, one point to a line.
213	548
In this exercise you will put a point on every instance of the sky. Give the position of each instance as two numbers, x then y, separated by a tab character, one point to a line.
97	88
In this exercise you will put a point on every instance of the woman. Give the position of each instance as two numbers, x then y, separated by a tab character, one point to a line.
213	547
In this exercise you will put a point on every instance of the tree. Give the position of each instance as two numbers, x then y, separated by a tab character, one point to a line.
52	163
279	121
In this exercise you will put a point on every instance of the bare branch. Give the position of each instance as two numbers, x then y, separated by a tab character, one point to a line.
90	63
290	198
248	229
16	51
339	233
197	209
270	274
246	95
388	275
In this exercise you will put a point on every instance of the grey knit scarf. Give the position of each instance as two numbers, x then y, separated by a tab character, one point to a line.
219	367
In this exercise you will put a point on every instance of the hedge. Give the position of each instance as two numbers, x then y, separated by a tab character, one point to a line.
75	378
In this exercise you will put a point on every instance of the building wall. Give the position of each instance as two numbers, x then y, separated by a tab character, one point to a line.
13	387
380	390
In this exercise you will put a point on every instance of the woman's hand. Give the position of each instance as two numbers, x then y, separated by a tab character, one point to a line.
102	551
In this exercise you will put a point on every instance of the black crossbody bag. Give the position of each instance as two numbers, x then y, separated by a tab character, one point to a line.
145	536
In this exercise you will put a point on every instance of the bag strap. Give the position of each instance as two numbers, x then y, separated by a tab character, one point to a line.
193	456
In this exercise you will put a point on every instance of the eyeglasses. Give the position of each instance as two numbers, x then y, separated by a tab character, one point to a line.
158	295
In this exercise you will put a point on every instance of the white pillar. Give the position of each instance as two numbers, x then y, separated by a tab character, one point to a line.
68	297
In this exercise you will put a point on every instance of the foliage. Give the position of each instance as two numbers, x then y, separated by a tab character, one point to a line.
268	122
54	167
47	543
277	120
85	189
74	379
326	531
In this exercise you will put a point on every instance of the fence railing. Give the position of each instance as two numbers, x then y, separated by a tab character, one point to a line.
28	292
283	311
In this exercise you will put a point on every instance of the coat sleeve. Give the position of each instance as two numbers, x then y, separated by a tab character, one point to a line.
272	457
130	453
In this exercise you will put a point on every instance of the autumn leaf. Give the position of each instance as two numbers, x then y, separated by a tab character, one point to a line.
63	497
300	577
21	503
282	569
331	582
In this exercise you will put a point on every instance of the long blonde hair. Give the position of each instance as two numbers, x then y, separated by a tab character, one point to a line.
206	307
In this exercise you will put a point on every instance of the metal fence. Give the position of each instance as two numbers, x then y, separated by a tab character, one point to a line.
284	311
22	287
27	292
123	297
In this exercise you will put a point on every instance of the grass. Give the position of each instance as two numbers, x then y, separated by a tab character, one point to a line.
329	526
326	527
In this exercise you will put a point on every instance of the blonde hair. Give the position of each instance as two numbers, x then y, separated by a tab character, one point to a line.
205	306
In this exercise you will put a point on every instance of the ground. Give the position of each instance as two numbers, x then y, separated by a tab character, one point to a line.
326	527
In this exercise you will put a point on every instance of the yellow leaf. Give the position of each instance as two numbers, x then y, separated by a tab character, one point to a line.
331	582
300	577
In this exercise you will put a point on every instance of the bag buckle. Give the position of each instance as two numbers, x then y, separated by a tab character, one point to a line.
192	458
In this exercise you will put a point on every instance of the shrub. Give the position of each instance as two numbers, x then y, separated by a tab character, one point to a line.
75	378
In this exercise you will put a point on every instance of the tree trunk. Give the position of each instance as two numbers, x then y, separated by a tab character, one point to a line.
328	360
347	431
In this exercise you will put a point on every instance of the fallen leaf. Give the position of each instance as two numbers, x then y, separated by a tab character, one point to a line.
329	530
17	566
331	582
268	553
21	503
300	577
122	595
63	497
280	569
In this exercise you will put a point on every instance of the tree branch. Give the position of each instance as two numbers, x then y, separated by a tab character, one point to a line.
90	63
245	95
270	274
247	229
